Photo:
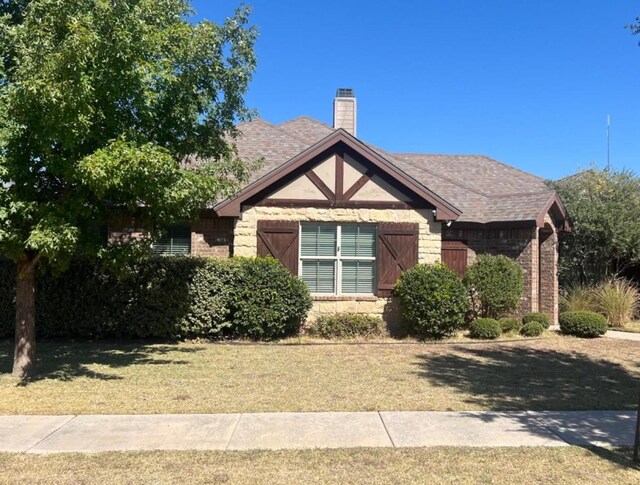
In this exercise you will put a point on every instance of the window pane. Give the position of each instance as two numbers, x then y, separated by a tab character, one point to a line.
319	276
318	240
359	240
176	239
358	277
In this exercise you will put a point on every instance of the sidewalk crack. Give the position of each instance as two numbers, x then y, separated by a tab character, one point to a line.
384	425
226	448
52	433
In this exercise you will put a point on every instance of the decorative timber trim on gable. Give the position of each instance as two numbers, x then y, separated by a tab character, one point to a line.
338	145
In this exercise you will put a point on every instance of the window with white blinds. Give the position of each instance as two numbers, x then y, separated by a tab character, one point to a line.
174	240
338	259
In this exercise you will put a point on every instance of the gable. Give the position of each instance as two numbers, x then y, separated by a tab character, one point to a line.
338	171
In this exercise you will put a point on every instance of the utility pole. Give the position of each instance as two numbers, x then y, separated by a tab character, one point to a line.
608	142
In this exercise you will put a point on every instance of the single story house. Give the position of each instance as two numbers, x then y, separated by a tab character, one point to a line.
348	217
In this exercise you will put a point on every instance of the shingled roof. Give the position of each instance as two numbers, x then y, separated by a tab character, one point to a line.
482	188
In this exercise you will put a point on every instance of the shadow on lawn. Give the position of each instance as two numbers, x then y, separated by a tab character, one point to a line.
66	361
503	378
517	378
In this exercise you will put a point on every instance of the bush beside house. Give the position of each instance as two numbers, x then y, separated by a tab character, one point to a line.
169	298
346	325
433	301
485	328
583	324
495	284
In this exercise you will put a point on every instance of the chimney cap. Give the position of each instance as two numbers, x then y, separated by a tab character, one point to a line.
345	93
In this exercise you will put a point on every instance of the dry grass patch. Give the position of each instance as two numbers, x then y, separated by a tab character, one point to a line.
633	327
372	466
108	378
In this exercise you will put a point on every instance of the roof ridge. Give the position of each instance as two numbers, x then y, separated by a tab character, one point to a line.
514	194
306	117
281	130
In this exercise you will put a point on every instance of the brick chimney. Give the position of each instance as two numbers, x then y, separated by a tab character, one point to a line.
344	110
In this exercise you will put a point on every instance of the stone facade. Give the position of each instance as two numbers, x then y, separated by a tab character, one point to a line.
429	246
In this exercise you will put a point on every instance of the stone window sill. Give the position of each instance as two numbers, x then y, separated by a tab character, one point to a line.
343	298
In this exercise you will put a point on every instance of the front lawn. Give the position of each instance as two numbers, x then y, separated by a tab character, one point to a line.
372	466
104	378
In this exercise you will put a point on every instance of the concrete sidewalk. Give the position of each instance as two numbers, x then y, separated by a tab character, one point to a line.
623	335
56	434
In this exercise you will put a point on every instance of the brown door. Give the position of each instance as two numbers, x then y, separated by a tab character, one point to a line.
454	256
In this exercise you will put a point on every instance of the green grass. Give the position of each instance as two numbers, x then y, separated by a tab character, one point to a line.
569	465
561	373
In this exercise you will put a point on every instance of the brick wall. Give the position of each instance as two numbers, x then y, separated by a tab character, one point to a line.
212	236
520	244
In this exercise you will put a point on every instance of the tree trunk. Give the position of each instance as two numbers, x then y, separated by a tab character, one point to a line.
24	357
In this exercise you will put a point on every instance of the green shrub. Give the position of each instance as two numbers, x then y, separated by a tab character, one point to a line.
577	299
164	297
532	329
537	317
583	324
496	284
618	300
346	325
509	324
485	328
266	301
433	301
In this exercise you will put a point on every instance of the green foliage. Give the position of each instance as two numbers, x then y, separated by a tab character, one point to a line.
161	297
509	324
485	328
266	301
346	325
532	329
577	298
583	324
618	300
496	284
101	102
433	301
605	238
537	317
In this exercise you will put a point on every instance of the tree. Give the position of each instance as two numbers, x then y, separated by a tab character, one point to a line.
101	103
605	239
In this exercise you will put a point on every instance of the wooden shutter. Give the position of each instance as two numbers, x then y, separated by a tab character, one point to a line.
454	256
280	240
397	252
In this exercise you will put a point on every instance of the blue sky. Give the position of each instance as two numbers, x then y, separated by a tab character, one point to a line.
529	83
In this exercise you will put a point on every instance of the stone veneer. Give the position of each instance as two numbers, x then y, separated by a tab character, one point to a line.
429	246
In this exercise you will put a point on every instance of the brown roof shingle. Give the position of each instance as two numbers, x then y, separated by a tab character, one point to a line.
484	189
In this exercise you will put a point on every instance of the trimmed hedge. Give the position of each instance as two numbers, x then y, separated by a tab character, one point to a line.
433	301
537	317
164	297
583	324
509	324
532	329
496	284
346	325
485	328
